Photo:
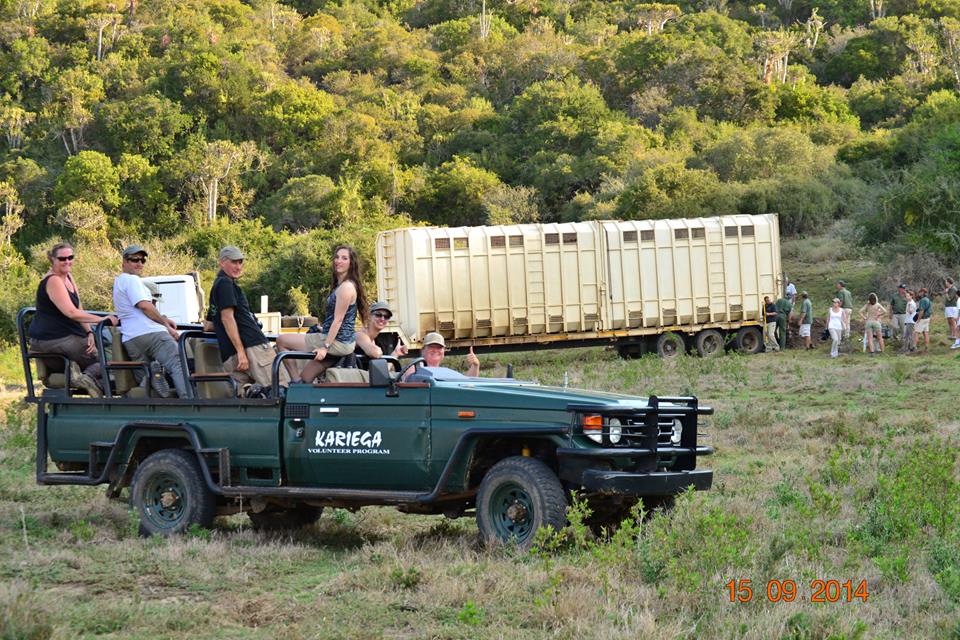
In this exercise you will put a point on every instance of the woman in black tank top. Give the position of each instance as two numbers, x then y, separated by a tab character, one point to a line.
60	324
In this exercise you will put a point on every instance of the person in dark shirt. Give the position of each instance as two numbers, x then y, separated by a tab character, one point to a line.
770	328
61	325
246	353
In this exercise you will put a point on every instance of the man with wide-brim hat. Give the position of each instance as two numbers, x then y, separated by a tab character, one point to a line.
435	348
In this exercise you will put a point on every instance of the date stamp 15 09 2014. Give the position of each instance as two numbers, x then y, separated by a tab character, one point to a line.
742	590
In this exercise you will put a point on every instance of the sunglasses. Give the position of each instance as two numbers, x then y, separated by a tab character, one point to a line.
382	316
64	258
136	259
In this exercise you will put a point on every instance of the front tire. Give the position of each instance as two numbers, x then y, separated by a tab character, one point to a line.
169	494
517	497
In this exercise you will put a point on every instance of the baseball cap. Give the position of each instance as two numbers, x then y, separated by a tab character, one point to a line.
153	288
133	250
381	306
836	300
901	286
231	253
434	338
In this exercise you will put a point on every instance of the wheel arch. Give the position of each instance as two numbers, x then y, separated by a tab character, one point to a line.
487	451
136	442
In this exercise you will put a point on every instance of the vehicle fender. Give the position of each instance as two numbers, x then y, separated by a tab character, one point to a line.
135	442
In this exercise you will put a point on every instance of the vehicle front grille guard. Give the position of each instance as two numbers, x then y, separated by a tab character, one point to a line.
647	434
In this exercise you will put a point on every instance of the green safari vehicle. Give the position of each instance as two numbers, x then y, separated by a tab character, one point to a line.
437	442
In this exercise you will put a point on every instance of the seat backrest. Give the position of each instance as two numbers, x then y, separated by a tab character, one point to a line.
338	374
50	372
207	360
123	379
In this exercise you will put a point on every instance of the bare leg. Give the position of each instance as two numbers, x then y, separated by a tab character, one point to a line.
870	341
880	338
313	368
291	342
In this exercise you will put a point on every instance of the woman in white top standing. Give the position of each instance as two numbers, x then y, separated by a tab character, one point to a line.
909	324
835	326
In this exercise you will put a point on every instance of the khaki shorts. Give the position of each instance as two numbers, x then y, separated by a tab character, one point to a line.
317	340
261	359
804	331
923	326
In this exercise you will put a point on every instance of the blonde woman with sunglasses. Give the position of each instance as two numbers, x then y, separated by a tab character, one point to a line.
61	325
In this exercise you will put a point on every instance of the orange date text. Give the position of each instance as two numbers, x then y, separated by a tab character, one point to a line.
817	591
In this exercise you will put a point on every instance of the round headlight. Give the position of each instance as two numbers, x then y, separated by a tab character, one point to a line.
616	431
677	432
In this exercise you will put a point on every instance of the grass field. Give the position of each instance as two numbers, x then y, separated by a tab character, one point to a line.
825	470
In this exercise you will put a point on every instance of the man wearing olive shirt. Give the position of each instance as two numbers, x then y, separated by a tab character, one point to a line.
846	304
898	311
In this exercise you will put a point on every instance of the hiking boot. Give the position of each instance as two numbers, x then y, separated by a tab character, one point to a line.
158	380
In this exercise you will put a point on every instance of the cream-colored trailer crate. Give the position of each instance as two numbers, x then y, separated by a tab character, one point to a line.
612	280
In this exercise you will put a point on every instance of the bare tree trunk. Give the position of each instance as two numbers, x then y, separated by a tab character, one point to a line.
63	136
100	42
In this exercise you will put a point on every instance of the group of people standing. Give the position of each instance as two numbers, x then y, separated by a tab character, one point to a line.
61	325
909	315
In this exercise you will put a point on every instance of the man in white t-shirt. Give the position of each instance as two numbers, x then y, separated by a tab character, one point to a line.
146	335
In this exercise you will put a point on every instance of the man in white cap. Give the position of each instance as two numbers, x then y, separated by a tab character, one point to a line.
435	348
246	353
146	335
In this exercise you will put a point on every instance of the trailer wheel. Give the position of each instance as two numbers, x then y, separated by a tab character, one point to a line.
169	494
709	343
670	345
300	516
749	340
516	497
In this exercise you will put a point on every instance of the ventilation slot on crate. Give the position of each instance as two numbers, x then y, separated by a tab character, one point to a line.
630	236
484	324
736	307
730	232
446	326
681	234
516	241
570	238
461	243
635	315
746	231
591	317
556	318
551	238
498	241
441	243
699	232
646	235
519	322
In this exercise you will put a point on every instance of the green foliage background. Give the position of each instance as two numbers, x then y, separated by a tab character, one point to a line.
287	127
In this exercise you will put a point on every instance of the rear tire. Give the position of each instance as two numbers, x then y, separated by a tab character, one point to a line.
670	345
517	497
170	495
709	343
749	340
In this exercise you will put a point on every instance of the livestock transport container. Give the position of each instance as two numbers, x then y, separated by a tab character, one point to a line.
658	285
